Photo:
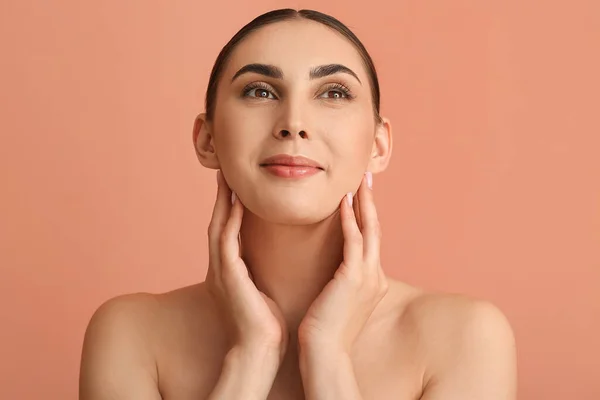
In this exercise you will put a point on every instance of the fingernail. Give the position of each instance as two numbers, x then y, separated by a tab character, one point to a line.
369	179
349	199
218	177
233	197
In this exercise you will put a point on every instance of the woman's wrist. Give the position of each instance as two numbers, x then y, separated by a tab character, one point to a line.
258	356
248	372
322	359
317	350
327	373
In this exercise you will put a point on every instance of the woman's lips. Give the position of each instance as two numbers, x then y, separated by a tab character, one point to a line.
289	166
291	171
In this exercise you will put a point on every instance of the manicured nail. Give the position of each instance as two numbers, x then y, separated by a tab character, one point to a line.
369	179
233	197
349	199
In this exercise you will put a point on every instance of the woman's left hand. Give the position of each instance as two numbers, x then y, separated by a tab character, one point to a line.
339	313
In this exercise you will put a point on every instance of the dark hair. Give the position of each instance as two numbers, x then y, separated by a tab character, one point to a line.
285	15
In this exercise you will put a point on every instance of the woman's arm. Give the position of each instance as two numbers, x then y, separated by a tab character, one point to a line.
328	374
246	374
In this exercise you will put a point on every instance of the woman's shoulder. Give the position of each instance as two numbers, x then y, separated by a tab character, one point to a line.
435	313
149	313
458	314
147	321
456	331
130	337
143	307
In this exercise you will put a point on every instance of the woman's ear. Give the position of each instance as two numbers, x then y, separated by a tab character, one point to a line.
204	143
382	147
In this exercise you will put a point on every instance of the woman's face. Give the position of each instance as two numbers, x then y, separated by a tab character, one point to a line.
285	109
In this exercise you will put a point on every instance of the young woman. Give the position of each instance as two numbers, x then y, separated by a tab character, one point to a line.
295	304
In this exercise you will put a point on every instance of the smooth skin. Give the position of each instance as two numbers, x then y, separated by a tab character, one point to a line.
296	304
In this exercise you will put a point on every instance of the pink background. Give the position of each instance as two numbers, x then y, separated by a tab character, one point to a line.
494	187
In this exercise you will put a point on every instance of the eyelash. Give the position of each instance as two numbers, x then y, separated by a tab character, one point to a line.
341	88
333	86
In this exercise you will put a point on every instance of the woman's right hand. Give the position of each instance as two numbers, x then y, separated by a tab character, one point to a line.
256	320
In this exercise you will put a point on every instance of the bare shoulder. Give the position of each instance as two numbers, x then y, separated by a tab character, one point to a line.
123	313
147	319
117	360
124	338
136	315
468	346
447	316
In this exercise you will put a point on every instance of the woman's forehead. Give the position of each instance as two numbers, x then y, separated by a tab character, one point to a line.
296	47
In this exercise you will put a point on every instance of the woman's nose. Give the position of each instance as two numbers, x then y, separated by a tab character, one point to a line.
285	134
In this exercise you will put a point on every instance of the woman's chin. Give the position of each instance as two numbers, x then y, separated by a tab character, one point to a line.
288	214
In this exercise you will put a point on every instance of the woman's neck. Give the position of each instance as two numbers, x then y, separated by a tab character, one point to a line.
291	264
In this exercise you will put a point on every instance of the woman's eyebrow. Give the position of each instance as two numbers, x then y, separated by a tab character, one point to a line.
330	69
262	69
272	71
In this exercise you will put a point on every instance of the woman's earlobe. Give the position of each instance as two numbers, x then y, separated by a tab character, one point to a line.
203	143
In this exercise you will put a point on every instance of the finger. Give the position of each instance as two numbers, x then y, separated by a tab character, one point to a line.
356	208
230	245
353	241
371	230
219	218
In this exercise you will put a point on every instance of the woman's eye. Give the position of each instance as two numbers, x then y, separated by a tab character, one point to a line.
260	93
335	94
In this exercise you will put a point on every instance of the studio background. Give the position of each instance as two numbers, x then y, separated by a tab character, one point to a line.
493	189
